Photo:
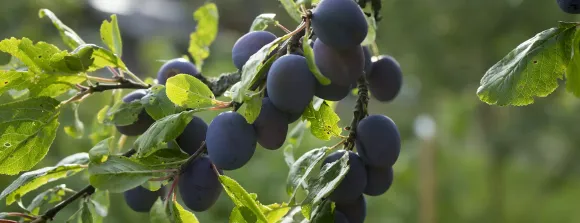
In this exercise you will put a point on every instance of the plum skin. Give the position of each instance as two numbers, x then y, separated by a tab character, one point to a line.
569	6
385	79
290	84
141	199
176	66
339	23
271	126
342	67
199	185
355	211
230	141
248	45
378	141
193	135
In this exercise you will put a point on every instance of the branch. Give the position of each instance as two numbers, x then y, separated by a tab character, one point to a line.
87	191
122	84
360	111
219	85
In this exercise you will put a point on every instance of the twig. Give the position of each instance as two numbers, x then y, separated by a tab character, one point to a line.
7	221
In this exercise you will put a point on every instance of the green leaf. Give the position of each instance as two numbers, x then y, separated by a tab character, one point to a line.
300	170
172	213
78	129
105	58
157	104
275	212
37	84
251	108
262	21
111	35
255	68
46	58
323	212
573	69
297	133
32	180
329	177
324	121
166	158
309	55
372	30
28	128
14	64
100	152
531	69
207	28
123	114
292	9
100	201
240	197
163	130
49	196
77	158
157	213
189	92
119	174
69	36
242	215
99	131
86	215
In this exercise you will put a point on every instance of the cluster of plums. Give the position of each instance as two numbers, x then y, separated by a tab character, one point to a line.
340	27
198	184
371	168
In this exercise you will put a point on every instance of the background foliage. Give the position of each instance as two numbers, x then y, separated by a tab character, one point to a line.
485	164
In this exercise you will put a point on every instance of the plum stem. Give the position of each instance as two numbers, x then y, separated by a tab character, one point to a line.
193	157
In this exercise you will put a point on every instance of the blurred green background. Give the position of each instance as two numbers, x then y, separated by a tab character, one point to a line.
483	163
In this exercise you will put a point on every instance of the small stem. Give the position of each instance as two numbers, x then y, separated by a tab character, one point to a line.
172	188
161	178
114	72
132	75
199	152
22	215
69	190
7	221
342	141
282	27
